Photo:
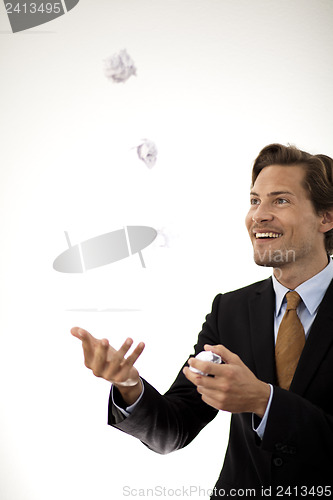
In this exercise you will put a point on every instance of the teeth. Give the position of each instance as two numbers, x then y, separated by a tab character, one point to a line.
268	235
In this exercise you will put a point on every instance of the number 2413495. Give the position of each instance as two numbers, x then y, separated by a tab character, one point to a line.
34	8
302	491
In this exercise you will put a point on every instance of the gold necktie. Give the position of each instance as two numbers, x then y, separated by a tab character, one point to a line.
289	343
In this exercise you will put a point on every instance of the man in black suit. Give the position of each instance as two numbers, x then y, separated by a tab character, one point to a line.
281	434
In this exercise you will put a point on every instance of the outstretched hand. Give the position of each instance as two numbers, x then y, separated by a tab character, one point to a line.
110	364
232	386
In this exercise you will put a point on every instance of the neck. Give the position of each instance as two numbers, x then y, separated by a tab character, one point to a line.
295	273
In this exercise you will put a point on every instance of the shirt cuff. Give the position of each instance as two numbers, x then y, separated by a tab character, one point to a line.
128	409
260	429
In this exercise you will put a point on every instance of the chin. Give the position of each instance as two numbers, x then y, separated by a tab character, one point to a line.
263	263
276	258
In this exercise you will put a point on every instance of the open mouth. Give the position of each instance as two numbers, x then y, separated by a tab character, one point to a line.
267	236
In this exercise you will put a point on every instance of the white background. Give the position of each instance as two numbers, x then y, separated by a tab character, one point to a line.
216	81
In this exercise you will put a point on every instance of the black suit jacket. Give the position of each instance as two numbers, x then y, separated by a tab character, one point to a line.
297	447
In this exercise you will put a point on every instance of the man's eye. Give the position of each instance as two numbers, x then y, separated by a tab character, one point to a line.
254	201
281	201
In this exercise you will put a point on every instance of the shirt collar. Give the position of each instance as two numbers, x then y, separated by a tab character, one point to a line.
311	291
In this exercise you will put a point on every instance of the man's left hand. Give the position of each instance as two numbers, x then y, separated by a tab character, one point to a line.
232	386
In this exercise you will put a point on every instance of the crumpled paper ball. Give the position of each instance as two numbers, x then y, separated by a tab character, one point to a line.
119	67
206	356
147	152
166	237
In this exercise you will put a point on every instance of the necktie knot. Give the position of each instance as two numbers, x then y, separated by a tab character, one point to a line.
293	300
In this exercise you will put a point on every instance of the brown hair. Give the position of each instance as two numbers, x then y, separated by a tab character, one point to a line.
318	178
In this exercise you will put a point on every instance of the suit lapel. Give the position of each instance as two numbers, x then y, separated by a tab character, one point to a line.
261	313
318	342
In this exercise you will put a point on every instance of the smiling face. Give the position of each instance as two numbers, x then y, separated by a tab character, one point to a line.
285	230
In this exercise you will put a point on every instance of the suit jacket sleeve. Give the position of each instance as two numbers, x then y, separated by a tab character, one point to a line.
168	422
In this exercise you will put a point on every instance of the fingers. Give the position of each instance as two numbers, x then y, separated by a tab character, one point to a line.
195	378
100	358
76	332
119	356
211	392
119	367
226	355
104	360
81	334
214	369
207	367
107	361
125	348
136	353
191	376
203	384
116	358
88	344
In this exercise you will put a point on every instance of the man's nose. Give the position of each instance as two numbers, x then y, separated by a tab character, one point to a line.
262	214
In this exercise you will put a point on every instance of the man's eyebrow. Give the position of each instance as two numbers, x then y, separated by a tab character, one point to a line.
273	193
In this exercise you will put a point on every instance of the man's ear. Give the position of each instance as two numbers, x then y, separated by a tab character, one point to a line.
326	221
